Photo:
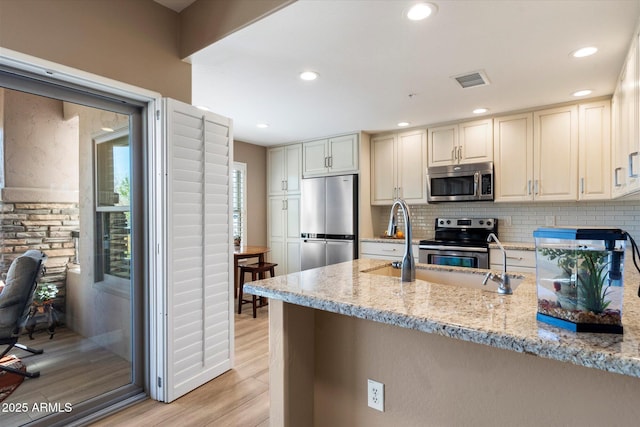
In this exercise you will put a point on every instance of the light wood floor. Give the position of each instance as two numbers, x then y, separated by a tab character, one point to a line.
239	397
72	369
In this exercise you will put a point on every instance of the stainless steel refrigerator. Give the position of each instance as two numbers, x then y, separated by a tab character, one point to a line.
329	220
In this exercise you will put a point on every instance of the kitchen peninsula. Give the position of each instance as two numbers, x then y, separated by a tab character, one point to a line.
448	355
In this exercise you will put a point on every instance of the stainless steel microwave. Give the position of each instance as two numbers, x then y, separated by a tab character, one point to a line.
460	183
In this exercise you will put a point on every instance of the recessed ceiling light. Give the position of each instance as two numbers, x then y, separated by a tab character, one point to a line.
403	124
263	125
420	11
309	75
106	129
480	110
584	92
202	107
585	51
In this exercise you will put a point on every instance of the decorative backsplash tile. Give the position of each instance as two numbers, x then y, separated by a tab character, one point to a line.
524	217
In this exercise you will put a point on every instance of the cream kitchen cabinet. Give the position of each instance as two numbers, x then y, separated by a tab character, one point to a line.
625	161
284	169
284	233
331	156
468	142
518	260
393	250
555	154
536	156
398	168
594	151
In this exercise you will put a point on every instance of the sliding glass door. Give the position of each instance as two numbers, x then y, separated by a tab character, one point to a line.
72	186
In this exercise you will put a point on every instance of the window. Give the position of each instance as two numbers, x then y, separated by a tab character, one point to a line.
239	190
113	216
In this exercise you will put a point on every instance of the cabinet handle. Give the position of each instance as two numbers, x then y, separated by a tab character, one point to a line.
476	179
453	154
460	154
282	184
388	250
535	187
616	181
529	187
399	193
330	161
516	258
582	185
632	174
286	184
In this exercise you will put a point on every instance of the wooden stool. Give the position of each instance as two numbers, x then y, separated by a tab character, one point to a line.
259	268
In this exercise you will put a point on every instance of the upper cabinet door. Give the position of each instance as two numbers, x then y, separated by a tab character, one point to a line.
343	154
513	152
293	174
276	166
383	169
555	142
594	151
443	145
411	166
476	141
315	158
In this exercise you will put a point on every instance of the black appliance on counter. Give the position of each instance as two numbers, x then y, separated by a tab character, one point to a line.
460	242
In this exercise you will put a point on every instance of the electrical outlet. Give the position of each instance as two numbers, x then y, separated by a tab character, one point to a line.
375	395
507	221
550	220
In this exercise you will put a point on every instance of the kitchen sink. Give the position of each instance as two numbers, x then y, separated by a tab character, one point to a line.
467	278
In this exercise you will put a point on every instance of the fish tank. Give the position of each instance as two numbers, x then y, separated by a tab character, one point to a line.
579	277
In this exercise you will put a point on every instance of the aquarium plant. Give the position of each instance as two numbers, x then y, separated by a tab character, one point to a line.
592	273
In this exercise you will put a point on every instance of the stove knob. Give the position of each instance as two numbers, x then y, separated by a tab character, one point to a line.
482	222
448	221
489	223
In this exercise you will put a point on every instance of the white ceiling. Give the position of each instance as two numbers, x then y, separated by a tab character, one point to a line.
370	59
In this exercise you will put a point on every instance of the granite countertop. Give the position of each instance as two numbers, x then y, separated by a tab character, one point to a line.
502	321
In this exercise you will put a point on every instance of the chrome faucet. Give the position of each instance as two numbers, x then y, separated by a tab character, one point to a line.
408	264
504	282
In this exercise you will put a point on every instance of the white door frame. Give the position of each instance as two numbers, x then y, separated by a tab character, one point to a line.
155	296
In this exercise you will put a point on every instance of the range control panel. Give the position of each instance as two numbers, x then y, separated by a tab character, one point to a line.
483	223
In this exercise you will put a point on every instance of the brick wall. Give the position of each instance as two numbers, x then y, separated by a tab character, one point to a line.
43	226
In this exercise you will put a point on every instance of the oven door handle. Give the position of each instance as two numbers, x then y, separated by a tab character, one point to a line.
453	248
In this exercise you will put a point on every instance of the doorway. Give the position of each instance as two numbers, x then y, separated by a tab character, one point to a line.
71	185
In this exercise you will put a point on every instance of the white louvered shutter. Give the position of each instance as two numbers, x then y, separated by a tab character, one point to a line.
199	271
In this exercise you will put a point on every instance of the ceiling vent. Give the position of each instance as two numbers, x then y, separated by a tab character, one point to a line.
473	79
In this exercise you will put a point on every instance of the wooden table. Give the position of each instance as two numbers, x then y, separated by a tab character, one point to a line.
244	252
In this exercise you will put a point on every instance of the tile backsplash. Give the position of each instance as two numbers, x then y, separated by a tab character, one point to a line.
517	221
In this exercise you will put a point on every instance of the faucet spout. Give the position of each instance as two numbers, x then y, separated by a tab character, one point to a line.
408	265
503	281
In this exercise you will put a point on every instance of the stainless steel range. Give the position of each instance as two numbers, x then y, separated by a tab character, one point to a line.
460	242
